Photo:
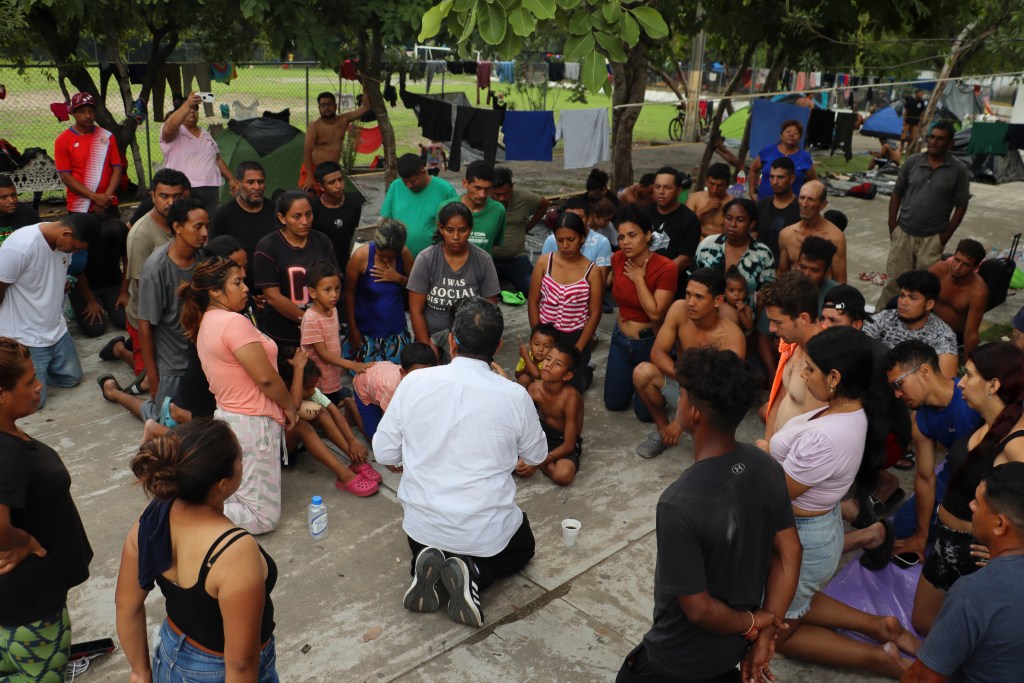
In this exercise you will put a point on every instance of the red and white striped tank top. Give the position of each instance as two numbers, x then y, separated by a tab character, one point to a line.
567	307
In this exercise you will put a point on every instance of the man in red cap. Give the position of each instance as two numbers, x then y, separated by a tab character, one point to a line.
88	160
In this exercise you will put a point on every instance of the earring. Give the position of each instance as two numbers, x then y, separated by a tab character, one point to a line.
988	395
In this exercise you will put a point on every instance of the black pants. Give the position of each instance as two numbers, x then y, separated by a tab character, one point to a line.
636	667
107	297
514	557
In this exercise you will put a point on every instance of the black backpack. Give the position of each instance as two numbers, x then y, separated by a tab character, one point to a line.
997	274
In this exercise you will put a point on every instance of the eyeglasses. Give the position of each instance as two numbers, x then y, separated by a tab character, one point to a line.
897	384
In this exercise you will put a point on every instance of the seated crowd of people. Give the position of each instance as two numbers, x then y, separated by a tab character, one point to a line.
254	335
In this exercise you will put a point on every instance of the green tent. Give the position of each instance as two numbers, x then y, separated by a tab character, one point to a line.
732	128
276	145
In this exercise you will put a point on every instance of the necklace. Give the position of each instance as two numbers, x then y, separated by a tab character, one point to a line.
834	407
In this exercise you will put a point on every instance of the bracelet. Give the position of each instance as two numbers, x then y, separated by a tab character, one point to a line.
747	632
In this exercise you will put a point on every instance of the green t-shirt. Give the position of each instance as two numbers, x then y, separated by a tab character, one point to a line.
488	225
417	210
520	210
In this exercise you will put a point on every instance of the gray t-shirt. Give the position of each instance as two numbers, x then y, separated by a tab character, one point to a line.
887	327
977	639
929	195
160	305
432	276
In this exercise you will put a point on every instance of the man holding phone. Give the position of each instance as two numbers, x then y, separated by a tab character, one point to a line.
193	151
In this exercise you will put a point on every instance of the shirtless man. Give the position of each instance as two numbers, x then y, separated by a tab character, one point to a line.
791	304
640	193
708	204
964	294
691	323
325	136
813	201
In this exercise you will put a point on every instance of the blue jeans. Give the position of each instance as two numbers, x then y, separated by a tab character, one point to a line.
624	354
177	661
822	540
57	365
518	270
905	520
371	414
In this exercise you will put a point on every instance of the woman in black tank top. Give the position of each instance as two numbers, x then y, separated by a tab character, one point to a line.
216	579
993	385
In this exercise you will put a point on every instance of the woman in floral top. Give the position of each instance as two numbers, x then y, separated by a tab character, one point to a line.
735	247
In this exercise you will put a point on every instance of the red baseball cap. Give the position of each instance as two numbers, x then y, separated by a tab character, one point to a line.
81	99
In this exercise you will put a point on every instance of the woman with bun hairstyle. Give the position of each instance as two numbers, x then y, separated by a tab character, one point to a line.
241	364
44	551
214	576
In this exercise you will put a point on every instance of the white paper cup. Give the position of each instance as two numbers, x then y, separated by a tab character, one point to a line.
570	531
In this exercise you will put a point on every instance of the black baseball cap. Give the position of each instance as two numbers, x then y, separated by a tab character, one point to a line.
847	299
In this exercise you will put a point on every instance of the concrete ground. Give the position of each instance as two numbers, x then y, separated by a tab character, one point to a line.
570	616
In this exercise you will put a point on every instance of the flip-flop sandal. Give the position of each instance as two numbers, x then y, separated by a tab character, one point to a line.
107	352
513	298
102	379
358	485
366	469
165	414
906	463
134	389
878	558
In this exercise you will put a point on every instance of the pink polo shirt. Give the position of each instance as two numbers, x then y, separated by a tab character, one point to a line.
196	157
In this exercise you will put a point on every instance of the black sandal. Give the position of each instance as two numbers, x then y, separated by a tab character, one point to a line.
905	463
102	379
875	559
107	352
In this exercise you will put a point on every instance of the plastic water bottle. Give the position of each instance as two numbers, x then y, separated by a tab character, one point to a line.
317	515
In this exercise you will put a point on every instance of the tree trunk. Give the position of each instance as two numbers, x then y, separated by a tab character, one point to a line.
372	87
629	82
716	121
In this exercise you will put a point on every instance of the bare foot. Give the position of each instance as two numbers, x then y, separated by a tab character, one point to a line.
180	415
898	663
892	631
151	430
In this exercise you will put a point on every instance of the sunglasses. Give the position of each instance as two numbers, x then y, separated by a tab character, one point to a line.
897	384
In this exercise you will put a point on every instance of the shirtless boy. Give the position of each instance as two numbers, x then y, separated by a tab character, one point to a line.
325	136
560	407
708	203
812	201
791	304
691	323
963	294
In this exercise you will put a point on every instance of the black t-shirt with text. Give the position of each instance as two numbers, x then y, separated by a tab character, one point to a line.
716	525
682	229
36	486
339	225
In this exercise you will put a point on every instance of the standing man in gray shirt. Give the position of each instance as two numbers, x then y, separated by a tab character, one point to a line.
523	210
930	187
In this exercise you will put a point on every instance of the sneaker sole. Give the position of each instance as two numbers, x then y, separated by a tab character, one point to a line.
649	453
422	594
461	608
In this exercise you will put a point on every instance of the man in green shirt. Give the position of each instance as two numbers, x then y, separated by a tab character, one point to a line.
488	215
524	209
413	199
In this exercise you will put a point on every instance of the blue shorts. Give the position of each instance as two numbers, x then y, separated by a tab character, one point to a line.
822	539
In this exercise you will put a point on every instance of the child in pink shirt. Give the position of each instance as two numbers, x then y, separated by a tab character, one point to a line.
375	387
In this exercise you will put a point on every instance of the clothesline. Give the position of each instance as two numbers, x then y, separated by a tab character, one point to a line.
809	91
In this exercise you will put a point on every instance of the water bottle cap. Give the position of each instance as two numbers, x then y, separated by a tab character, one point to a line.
317	500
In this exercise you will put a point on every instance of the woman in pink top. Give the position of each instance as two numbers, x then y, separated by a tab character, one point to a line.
193	151
566	291
824	453
241	364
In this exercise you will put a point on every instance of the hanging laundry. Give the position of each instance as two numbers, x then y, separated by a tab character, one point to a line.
434	116
820	127
245	111
585	133
988	138
506	72
529	135
417	70
454	67
469	67
1015	136
223	72
60	110
572	71
137	73
433	68
801	81
483	75
556	71
350	70
478	128
843	137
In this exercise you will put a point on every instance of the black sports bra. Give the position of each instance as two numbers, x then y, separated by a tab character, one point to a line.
967	475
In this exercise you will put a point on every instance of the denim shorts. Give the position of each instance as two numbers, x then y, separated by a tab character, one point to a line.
177	661
822	539
950	558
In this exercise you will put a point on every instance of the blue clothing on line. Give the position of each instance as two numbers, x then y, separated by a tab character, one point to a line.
529	135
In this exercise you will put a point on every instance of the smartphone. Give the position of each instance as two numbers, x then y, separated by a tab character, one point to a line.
906	560
205	96
91	648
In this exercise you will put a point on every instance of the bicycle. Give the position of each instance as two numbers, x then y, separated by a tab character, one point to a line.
676	125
